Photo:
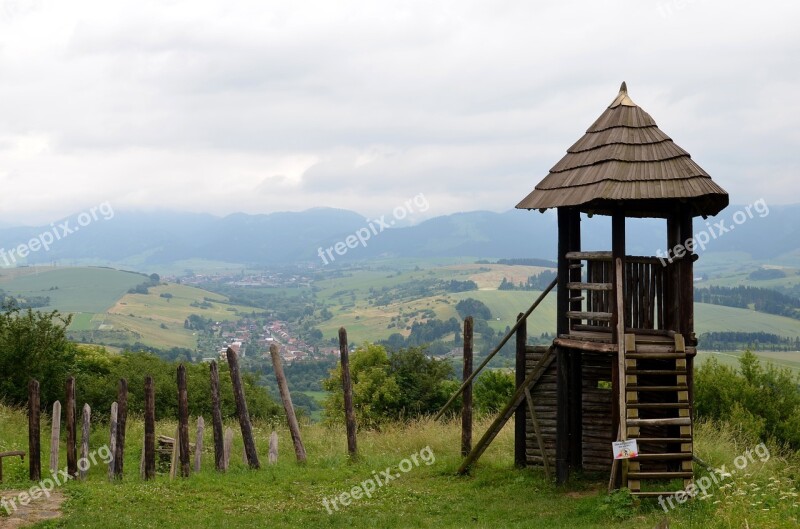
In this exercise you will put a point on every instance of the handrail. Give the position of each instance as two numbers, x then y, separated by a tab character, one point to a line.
496	349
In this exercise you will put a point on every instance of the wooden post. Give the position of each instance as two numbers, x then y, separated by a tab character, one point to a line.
226	450
563	403
183	422
687	278
149	428
34	441
347	389
198	443
519	415
173	461
294	428
216	418
576	360
466	402
122	420
72	428
273	448
112	443
85	431
241	410
55	435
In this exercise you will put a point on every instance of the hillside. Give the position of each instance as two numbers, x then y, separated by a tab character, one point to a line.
104	312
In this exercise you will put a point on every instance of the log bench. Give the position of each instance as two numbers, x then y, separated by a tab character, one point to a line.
15	453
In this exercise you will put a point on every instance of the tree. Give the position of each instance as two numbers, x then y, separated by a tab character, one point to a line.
388	387
34	345
761	401
493	389
473	307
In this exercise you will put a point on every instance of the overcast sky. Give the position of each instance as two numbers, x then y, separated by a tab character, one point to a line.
270	106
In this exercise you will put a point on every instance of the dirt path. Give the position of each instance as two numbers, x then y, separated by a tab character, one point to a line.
36	511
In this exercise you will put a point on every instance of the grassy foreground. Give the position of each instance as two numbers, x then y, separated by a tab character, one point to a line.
426	496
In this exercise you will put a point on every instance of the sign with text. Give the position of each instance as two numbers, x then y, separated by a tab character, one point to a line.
625	449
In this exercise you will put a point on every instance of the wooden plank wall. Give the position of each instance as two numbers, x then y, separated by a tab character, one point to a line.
596	412
544	398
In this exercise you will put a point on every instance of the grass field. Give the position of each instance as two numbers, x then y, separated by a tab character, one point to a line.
99	302
71	290
288	495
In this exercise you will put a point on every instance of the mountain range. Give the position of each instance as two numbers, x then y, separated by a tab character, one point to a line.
146	240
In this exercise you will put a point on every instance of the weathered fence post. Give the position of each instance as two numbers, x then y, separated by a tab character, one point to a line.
183	422
173	461
149	428
241	410
216	418
519	415
122	420
226	448
34	442
55	435
283	387
83	463
347	389
112	443
72	428
273	448
198	443
466	407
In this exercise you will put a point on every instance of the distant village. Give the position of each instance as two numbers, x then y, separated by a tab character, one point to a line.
247	337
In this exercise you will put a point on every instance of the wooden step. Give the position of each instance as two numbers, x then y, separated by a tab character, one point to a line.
575	266
588	286
656	348
659	405
671	456
669	421
660	475
578	315
679	387
577	298
678	371
654	356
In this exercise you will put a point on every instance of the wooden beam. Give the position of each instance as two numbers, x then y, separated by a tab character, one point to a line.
34	429
216	419
347	390
283	387
538	433
122	421
241	407
519	415
494	351
72	428
85	431
505	414
183	422
149	428
466	402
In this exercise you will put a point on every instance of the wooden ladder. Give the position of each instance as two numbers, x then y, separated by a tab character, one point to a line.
658	412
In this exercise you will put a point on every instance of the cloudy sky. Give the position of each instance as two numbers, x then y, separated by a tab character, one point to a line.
262	106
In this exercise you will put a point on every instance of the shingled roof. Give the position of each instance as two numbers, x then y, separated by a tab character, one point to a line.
625	162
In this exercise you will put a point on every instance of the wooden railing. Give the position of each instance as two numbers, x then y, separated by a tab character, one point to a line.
645	292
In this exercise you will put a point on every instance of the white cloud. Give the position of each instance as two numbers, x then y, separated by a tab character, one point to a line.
263	106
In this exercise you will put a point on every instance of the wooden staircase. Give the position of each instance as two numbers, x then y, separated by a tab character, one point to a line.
658	413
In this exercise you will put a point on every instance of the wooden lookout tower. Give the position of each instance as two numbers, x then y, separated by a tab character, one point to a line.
625	319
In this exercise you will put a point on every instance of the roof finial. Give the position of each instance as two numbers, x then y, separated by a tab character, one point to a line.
622	98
